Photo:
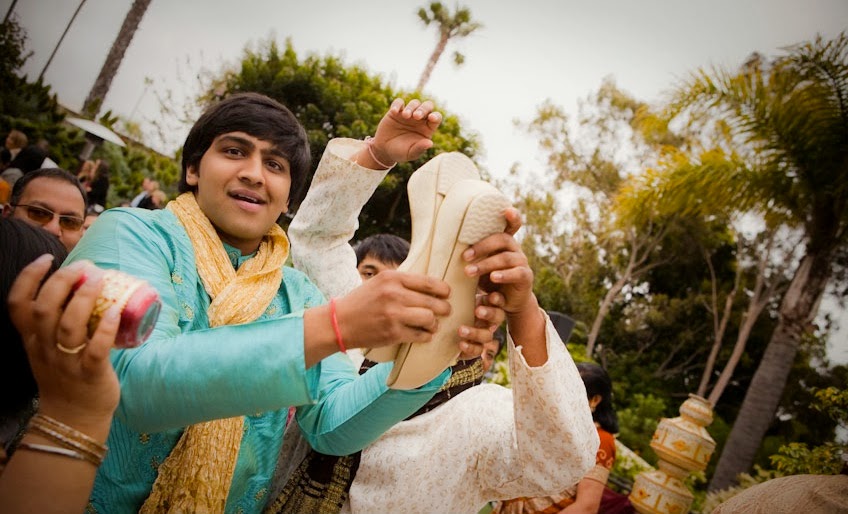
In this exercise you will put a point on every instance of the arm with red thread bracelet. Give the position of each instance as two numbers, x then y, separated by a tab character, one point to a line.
336	330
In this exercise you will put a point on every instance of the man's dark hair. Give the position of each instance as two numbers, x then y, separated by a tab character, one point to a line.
256	115
387	248
51	173
597	381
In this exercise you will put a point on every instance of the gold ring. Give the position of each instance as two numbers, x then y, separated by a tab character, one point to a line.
75	349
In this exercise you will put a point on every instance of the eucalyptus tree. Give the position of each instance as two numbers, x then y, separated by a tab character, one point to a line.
615	139
451	25
788	118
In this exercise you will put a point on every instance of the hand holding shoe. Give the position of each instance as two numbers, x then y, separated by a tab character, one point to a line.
489	313
392	307
506	277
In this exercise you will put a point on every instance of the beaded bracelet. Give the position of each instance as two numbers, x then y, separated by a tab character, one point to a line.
69	438
369	141
335	321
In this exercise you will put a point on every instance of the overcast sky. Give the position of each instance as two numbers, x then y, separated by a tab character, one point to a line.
526	52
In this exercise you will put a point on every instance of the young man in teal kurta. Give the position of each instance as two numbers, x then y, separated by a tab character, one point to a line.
242	162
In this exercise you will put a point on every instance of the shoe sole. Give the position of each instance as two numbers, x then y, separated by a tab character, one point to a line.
471	211
426	189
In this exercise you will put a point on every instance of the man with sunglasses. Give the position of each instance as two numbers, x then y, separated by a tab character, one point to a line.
52	199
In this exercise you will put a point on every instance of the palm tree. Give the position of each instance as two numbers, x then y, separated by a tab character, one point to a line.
113	60
456	25
792	116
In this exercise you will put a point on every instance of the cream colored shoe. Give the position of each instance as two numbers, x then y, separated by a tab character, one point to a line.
426	189
471	210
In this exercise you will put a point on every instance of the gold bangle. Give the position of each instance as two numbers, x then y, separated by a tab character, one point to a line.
88	454
53	450
68	437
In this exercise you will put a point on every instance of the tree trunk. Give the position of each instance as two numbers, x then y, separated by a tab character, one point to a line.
797	311
719	322
760	297
113	60
434	58
603	310
751	315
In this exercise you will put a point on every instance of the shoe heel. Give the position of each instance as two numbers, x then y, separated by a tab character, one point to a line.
484	217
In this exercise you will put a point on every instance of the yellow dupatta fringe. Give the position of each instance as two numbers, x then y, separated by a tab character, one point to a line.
196	476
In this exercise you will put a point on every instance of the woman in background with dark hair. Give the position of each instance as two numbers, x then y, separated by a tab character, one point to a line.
94	176
29	159
586	496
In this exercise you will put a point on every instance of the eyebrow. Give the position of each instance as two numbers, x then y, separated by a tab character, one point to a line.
273	151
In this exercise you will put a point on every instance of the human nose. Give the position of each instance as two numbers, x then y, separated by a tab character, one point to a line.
53	227
252	171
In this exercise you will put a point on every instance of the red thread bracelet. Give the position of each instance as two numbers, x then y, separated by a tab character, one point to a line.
335	320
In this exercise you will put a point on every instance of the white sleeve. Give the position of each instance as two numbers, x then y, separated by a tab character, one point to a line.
328	217
555	440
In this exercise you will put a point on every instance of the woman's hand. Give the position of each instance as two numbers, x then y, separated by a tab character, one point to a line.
76	382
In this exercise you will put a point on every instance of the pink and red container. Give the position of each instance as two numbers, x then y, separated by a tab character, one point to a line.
139	303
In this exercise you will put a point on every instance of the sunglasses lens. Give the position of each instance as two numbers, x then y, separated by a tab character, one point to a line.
43	217
71	224
39	215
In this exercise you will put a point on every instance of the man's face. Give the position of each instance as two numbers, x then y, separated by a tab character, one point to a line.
370	266
49	194
243	186
490	350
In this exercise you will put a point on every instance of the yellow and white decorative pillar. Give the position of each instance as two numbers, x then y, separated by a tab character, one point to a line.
683	445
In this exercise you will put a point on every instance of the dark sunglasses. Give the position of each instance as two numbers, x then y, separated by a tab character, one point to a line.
44	216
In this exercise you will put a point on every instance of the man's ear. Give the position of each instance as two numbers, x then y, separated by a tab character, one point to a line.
192	176
7	210
595	400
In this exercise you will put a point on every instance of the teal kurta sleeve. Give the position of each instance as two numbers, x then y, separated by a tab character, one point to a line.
187	373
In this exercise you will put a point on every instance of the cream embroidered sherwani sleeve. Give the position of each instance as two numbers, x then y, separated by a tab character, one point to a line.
328	217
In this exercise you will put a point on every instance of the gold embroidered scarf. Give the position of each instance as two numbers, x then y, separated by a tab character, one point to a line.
196	476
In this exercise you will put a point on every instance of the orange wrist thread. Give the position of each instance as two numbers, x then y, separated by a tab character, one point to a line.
335	321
